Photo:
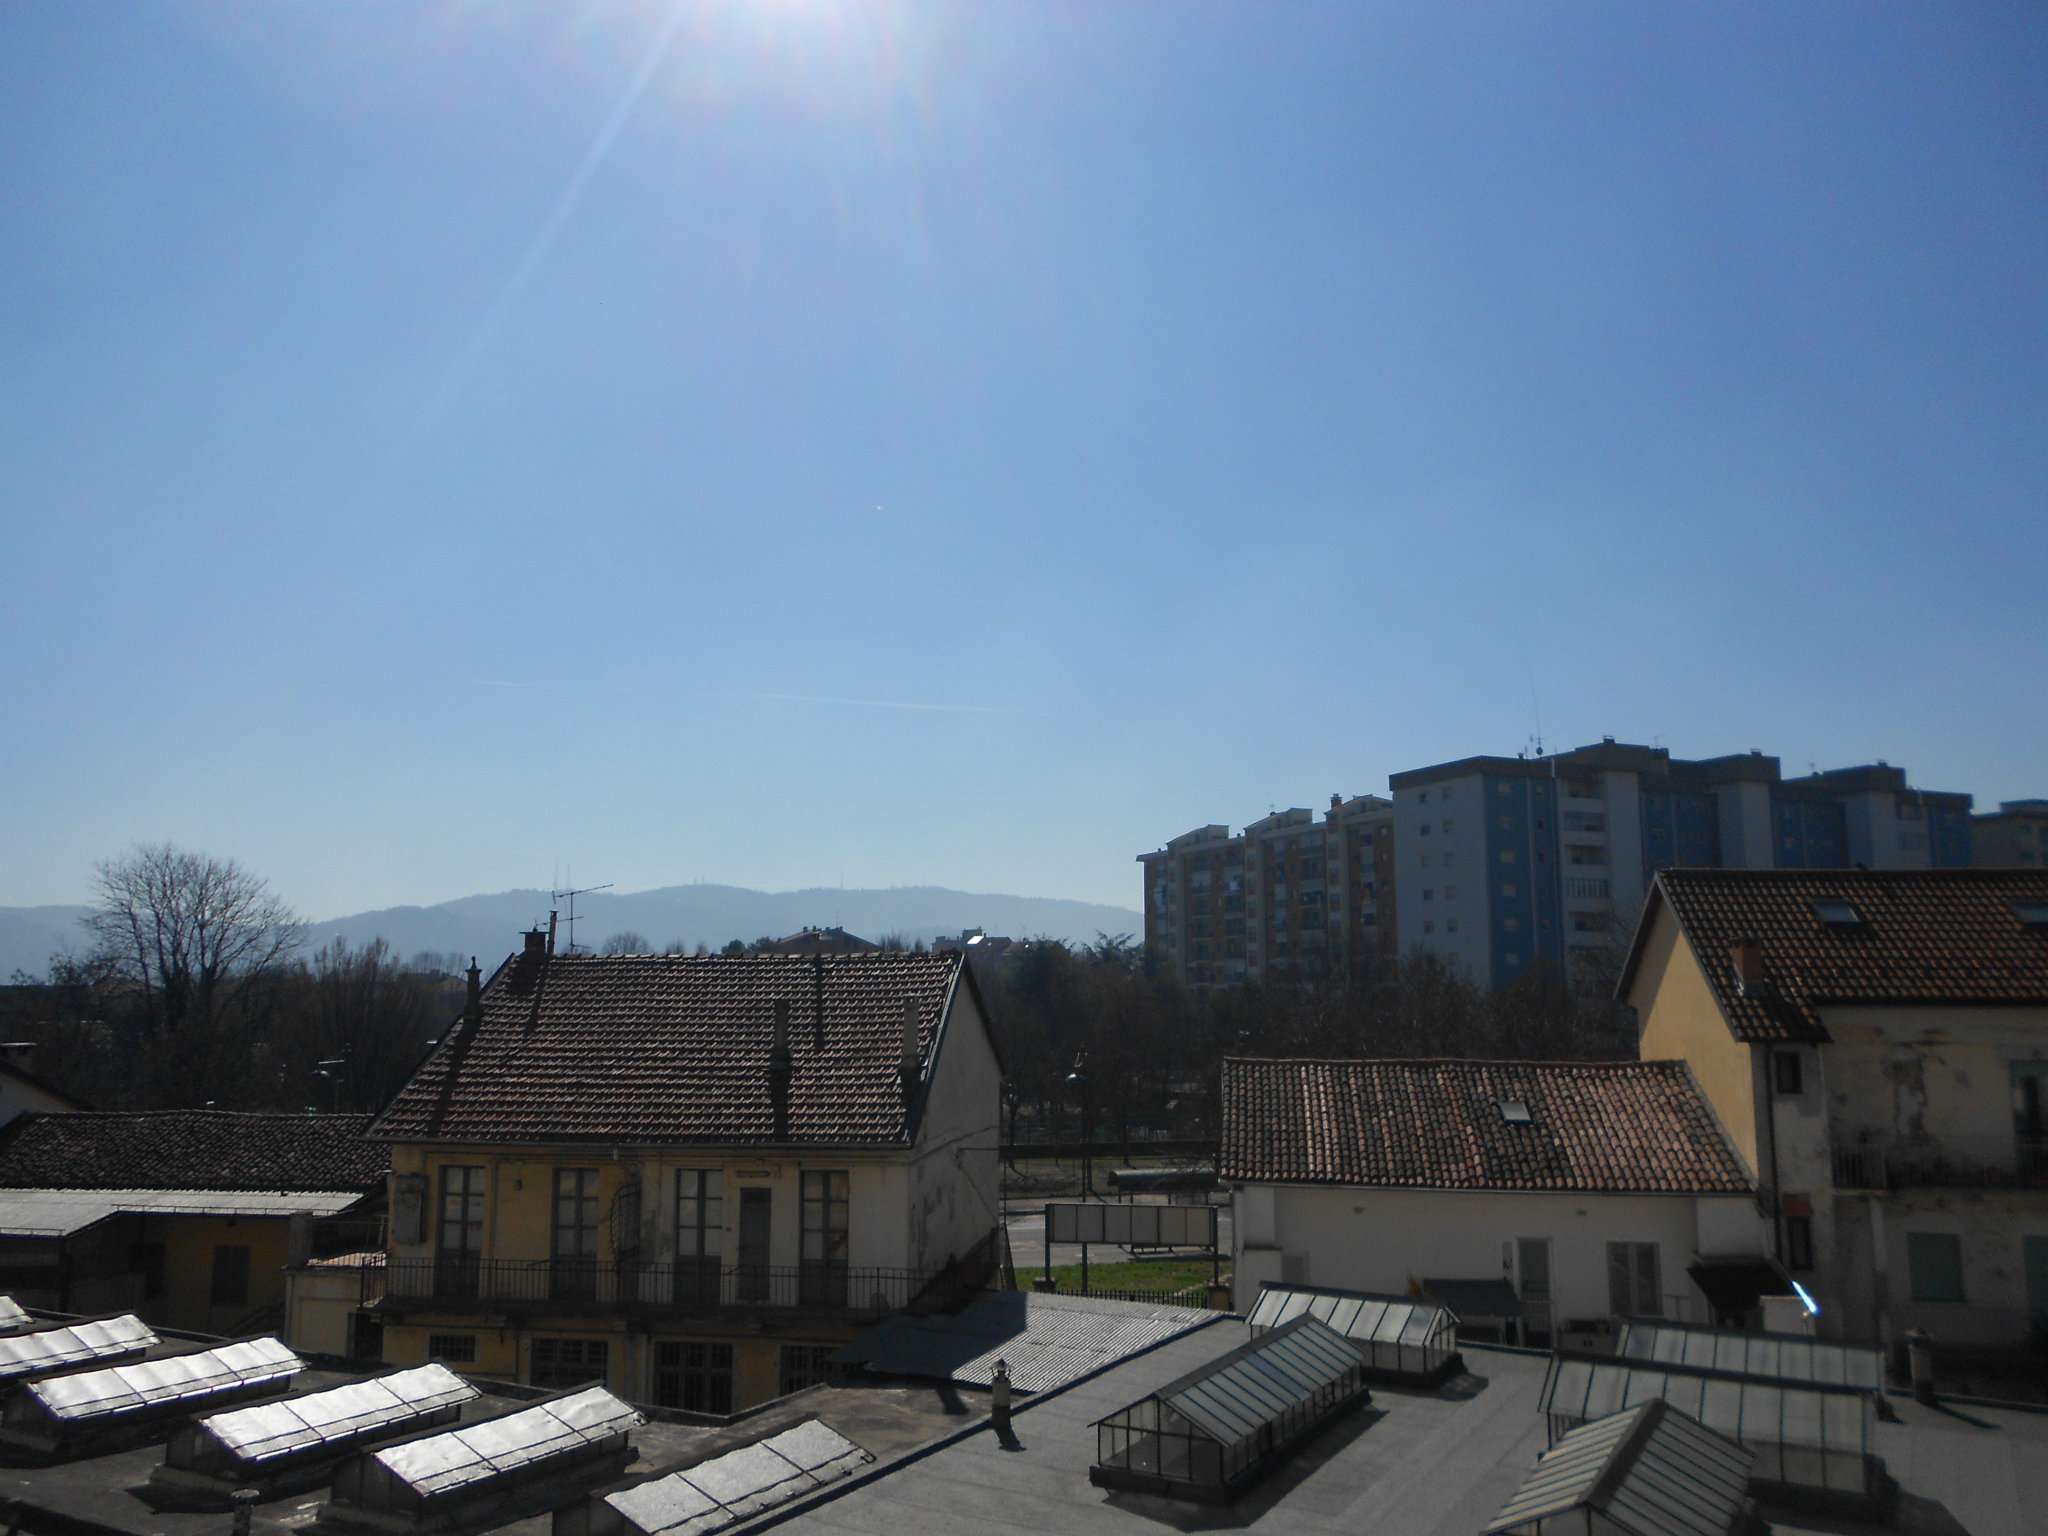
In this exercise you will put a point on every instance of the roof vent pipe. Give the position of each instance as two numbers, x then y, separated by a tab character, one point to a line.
780	1070
910	1052
473	1009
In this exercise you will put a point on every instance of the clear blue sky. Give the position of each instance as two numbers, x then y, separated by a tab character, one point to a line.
801	441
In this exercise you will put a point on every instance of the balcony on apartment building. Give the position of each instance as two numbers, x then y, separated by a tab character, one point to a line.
630	1286
1947	1162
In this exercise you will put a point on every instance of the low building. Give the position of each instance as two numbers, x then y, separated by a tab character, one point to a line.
185	1217
690	1178
820	941
1876	1042
1576	1192
24	1093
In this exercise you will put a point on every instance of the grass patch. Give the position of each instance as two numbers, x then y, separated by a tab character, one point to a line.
1128	1274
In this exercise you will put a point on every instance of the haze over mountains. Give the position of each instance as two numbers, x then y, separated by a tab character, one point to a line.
488	926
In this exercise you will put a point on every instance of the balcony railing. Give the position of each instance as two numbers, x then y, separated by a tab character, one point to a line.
598	1285
1949	1162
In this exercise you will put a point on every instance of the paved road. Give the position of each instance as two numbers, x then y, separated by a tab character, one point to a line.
1027	1240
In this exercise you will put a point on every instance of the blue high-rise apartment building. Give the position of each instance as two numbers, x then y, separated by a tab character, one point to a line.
1503	862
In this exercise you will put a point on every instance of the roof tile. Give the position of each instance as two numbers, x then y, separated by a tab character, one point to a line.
191	1149
1616	1127
674	1048
1926	936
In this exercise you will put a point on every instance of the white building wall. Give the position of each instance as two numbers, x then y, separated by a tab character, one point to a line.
18	1098
1623	792
953	1195
1391	1240
1745	825
1456	862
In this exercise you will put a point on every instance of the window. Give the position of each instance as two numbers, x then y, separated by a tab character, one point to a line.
230	1287
1799	1242
1448	858
1787	1074
1514	1112
2030	1116
452	1348
1511	925
1425	829
697	1377
1503	789
459	1232
1837	914
1450	893
1447	824
1632	1283
559	1363
1512	958
700	1235
825	1239
1935	1262
1428	894
574	1272
1424	860
1423	797
1429	925
805	1365
1507	855
1507	888
1450	925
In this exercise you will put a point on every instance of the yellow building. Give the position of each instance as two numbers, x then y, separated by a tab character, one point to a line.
1876	1043
187	1217
690	1178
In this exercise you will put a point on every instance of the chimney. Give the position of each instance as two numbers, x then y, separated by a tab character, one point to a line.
1748	958
473	1009
536	943
910	1053
780	1069
551	932
1336	801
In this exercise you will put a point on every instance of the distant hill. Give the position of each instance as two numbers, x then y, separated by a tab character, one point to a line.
489	926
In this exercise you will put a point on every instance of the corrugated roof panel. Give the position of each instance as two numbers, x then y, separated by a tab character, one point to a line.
475	1452
741	1483
392	1402
23	1354
1785	1357
175	1378
1649	1470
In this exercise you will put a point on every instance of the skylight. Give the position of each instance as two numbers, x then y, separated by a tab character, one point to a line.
1836	913
1514	1112
2033	913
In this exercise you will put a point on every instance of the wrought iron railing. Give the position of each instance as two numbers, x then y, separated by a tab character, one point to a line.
1951	1162
627	1285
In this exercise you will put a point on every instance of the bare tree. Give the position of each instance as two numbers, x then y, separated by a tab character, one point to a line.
627	943
200	939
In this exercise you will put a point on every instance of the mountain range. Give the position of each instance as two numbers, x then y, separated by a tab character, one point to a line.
488	926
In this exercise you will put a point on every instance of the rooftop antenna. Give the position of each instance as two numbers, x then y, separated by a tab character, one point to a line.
583	890
1535	704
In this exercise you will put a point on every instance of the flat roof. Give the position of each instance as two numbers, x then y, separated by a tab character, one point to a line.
1418	1462
61	1212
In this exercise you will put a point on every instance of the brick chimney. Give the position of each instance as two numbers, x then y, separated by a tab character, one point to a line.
910	1052
780	1070
536	943
1748	958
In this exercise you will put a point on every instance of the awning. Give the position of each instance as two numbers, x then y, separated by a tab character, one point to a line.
1732	1286
1475	1298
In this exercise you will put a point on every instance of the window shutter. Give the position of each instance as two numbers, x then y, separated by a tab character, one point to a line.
1618	1279
1649	1294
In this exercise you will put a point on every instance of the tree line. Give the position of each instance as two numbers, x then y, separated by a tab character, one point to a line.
195	990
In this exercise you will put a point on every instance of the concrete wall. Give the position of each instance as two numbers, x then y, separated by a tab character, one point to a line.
954	1196
1426	924
1391	1240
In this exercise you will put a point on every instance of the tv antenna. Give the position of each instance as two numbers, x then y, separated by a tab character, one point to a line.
581	890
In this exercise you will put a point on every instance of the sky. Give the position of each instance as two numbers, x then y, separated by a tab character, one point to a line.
453	445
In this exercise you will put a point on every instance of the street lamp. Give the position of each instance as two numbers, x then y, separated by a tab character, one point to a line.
1078	1081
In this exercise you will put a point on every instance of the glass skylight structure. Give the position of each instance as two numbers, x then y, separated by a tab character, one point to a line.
174	1384
1216	1430
1778	1356
1646	1471
1802	1433
729	1488
271	1437
27	1355
1401	1337
575	1432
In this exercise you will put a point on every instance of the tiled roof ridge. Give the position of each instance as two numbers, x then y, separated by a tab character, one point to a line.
1447	1061
1959	872
294	1115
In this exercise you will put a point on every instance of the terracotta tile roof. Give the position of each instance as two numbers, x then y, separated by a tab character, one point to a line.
1616	1127
674	1048
1925	936
191	1149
